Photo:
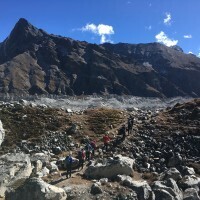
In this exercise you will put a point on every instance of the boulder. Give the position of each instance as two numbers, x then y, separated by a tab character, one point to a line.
167	190
96	189
2	133
163	194
191	194
62	165
122	178
73	129
103	181
188	171
171	173
43	157
56	150
36	188
53	167
141	188
75	163
189	181
13	167
110	167
38	166
175	161
44	172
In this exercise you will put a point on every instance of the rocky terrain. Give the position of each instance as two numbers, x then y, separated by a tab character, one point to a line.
35	62
158	160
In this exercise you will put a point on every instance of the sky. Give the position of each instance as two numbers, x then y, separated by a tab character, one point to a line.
171	22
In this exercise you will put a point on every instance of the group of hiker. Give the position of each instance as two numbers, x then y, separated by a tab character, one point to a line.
123	129
87	152
84	153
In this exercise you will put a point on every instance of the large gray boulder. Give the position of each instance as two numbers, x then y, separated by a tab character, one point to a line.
167	190
43	157
36	188
190	181
96	189
13	167
163	194
191	194
2	133
188	171
171	173
141	188
110	168
175	161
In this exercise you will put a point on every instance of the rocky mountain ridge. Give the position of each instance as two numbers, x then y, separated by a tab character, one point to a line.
35	62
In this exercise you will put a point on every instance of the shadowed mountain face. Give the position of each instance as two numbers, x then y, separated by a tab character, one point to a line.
33	61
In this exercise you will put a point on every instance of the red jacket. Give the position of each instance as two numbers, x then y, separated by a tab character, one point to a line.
106	139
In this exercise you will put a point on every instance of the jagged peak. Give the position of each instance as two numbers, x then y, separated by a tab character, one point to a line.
23	29
23	21
23	24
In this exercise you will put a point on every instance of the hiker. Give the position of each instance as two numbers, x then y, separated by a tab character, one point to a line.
81	158
88	150
87	139
122	131
93	145
106	140
68	161
116	141
130	125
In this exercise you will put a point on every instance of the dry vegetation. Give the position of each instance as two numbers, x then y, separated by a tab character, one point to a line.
27	123
100	120
32	123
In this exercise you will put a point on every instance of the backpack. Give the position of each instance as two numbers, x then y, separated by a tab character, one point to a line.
81	154
120	131
93	145
68	160
88	147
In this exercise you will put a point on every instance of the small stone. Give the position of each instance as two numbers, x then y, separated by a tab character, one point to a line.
95	189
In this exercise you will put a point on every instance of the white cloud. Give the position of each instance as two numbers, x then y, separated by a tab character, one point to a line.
102	30
148	28
105	29
187	36
163	38
104	39
90	27
168	18
190	52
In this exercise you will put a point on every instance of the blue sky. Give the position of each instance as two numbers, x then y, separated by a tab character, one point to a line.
130	21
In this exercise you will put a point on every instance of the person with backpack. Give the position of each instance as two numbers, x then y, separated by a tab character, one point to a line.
88	150
93	145
122	131
81	158
106	141
130	125
68	161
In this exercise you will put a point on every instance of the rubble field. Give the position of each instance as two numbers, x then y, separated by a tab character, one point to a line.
159	159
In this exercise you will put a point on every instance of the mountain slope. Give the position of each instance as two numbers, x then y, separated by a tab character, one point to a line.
33	61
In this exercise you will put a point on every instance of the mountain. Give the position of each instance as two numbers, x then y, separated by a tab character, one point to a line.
33	61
